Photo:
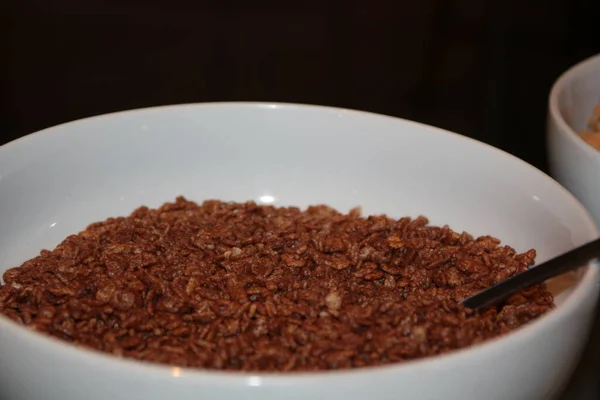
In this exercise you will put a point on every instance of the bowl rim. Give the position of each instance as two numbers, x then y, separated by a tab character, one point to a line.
553	102
585	287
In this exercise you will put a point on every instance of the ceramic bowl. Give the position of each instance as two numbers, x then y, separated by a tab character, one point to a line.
55	182
573	162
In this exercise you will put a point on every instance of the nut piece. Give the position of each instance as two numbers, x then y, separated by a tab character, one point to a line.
333	302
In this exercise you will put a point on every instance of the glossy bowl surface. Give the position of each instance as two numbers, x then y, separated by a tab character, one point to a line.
573	162
55	182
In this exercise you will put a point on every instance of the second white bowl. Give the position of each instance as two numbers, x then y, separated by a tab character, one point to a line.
573	162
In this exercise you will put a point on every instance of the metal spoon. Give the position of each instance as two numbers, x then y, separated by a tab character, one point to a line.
576	258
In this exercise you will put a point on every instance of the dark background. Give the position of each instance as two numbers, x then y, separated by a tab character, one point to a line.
480	68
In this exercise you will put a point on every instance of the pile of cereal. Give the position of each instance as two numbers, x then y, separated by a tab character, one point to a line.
233	286
592	134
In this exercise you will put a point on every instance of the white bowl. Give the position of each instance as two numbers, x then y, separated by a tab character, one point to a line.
574	163
55	182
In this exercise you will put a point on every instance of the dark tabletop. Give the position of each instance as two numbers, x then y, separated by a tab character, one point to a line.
480	68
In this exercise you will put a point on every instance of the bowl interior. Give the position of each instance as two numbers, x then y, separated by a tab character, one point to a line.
54	183
578	92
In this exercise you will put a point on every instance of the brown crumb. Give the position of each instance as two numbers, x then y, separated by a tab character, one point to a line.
592	134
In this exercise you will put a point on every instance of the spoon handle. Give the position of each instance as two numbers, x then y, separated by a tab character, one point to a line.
578	257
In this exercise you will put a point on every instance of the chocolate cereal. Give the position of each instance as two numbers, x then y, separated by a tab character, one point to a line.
231	286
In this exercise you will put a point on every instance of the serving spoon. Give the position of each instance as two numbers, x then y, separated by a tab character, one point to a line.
576	258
